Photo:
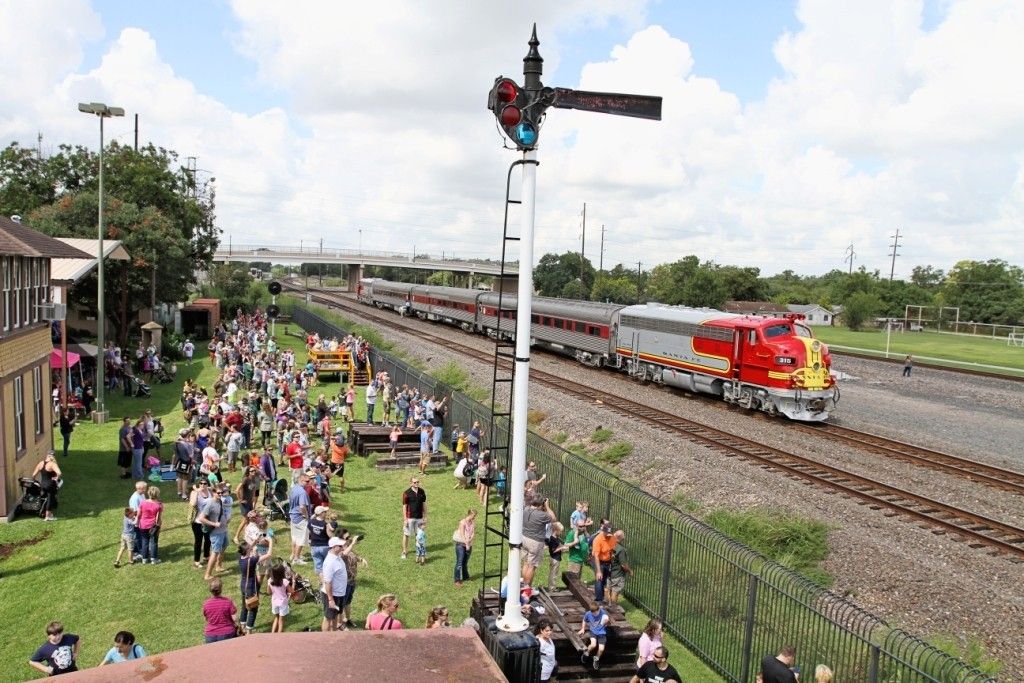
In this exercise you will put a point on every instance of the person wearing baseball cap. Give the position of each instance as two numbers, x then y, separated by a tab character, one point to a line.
334	584
319	538
602	549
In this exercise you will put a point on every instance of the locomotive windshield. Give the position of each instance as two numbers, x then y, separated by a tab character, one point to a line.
778	330
803	331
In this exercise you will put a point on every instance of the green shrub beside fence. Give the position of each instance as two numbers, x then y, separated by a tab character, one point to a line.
727	603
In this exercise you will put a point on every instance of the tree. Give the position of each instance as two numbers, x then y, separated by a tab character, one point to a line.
617	290
555	271
986	291
926	276
232	284
164	218
159	254
574	289
743	284
688	282
859	308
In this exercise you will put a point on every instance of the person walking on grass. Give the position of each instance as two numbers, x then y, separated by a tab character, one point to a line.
214	522
150	514
299	509
463	538
334	584
197	500
414	512
127	538
421	544
280	589
67	425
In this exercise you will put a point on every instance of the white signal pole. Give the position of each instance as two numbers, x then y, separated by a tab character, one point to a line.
512	620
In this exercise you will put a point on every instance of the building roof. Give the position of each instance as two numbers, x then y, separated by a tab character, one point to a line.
71	270
17	239
806	308
760	307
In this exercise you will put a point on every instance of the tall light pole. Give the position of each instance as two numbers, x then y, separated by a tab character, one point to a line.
100	414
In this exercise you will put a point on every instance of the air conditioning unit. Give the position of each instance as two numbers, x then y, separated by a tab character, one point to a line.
52	311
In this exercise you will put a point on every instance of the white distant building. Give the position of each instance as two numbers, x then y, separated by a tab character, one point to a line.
813	313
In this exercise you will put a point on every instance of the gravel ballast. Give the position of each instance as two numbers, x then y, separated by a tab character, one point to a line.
923	582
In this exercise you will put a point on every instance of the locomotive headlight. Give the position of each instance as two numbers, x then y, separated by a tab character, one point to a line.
815	346
784	360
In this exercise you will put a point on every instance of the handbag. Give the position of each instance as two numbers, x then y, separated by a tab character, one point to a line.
252	601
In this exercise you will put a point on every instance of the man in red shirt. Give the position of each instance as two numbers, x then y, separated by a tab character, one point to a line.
233	419
293	451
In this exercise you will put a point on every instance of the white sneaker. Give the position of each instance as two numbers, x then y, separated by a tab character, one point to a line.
403	556
301	561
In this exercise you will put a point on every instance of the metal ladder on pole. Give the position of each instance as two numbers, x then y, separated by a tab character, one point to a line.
500	428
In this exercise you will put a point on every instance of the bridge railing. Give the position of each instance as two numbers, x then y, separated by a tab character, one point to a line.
260	252
728	604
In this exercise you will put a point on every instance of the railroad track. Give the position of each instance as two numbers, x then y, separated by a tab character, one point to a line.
977	372
977	530
989	475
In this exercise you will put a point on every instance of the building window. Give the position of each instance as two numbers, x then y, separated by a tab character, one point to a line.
19	414
7	263
37	397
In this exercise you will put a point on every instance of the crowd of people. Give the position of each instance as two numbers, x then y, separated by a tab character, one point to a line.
259	424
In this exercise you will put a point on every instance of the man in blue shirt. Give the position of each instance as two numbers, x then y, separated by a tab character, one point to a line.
298	516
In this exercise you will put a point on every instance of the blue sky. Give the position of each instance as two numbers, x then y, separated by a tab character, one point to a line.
731	42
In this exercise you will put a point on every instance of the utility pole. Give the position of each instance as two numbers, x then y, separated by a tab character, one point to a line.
849	256
895	245
600	266
583	241
39	146
136	132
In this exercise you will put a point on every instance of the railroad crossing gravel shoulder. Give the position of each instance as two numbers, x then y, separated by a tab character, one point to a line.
922	582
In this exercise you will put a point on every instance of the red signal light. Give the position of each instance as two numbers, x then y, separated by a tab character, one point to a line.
506	91
510	116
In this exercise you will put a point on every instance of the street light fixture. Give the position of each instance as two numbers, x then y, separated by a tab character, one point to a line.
100	414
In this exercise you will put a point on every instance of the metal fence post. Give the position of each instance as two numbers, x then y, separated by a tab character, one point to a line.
748	629
608	503
666	573
561	483
873	664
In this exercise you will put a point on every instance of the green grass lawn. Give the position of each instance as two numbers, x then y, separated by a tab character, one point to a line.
64	570
949	347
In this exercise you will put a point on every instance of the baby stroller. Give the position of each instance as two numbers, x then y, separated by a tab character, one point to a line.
165	372
139	388
276	499
33	498
302	589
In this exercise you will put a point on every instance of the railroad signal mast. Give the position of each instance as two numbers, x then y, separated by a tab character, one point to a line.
519	112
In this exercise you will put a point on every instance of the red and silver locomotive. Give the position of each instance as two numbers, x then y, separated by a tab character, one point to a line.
769	364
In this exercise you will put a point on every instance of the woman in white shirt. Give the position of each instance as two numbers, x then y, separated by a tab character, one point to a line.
548	664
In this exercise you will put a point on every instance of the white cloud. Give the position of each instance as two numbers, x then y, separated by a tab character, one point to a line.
876	123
